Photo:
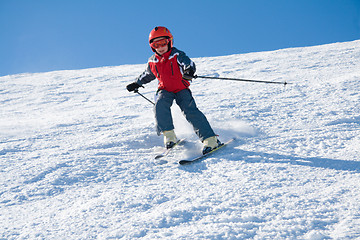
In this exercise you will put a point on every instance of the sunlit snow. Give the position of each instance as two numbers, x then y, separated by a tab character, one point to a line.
77	152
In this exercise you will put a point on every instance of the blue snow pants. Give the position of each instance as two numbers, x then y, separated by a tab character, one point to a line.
186	102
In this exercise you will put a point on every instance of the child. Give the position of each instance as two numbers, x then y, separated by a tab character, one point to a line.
174	71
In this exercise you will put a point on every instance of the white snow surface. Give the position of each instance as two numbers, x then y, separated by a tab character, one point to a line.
77	152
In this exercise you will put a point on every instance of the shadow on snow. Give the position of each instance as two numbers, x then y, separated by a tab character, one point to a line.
319	162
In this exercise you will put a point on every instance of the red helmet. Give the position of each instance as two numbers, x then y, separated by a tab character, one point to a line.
161	32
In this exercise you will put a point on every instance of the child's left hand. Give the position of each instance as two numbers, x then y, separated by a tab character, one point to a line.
188	74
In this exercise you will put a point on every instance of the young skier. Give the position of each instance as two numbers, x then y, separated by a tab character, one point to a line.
174	71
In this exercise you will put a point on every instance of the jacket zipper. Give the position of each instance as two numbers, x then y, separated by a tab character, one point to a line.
157	71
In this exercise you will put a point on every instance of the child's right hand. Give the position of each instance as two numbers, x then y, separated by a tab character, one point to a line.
132	87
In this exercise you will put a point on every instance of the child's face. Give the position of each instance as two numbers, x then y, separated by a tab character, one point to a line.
163	49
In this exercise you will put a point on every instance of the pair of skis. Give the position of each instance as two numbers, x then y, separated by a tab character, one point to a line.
196	159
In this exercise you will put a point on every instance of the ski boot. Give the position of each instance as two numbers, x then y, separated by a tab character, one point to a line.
169	139
210	144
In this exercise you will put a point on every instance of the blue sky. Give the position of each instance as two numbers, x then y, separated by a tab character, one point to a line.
47	35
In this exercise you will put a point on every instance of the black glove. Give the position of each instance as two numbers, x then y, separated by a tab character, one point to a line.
132	87
188	74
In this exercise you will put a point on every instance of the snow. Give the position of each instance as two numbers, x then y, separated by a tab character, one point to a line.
77	152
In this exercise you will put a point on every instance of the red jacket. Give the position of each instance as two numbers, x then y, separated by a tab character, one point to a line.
168	69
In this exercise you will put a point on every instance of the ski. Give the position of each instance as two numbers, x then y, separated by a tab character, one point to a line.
196	159
167	151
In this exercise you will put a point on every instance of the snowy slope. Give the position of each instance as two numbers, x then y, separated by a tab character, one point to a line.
77	152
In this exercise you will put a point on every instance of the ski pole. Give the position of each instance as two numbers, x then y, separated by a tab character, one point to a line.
239	79
137	91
